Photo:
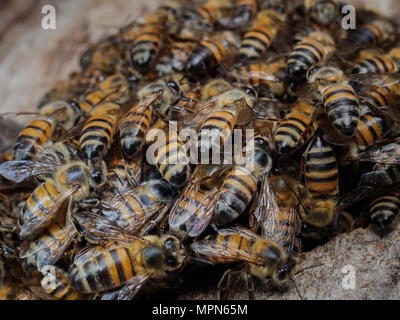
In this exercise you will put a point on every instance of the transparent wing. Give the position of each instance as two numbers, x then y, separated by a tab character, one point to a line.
195	119
385	154
35	224
128	291
267	209
18	171
376	79
244	113
101	227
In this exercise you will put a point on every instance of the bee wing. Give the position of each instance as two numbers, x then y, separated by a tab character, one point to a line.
267	207
33	226
18	171
195	119
354	196
239	230
210	249
244	113
377	79
385	154
128	291
307	91
140	108
101	227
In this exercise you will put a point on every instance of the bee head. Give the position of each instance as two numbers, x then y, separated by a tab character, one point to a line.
174	252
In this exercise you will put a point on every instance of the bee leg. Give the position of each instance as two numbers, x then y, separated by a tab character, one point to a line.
163	224
297	244
250	285
222	289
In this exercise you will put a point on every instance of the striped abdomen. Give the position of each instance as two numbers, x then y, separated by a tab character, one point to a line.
206	56
245	10
35	135
294	130
369	129
97	135
146	46
91	100
133	130
385	208
320	168
256	42
46	250
37	209
369	34
231	245
304	55
123	175
342	106
173	163
61	289
107	270
375	64
208	14
216	129
236	193
378	96
284	227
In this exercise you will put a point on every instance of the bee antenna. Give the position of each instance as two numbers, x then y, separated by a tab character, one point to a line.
309	267
297	288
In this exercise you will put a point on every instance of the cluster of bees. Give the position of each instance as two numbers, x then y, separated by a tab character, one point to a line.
85	215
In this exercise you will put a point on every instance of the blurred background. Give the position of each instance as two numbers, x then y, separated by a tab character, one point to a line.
32	59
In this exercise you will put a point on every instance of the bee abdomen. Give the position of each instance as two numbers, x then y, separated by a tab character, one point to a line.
342	106
304	55
369	129
35	135
370	34
106	271
385	208
207	55
378	96
255	42
146	47
236	193
375	64
291	133
321	173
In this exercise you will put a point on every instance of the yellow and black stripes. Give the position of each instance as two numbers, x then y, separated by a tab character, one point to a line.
107	270
172	162
320	168
304	55
245	10
146	46
256	42
37	208
374	65
284	227
369	129
206	56
369	34
384	208
133	130
236	193
231	245
35	135
378	96
61	288
295	129
98	132
342	105
216	129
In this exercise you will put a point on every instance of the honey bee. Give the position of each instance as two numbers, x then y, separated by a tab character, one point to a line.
194	208
124	174
384	208
209	54
71	181
240	184
57	116
259	37
146	46
312	49
61	289
114	88
218	116
175	59
322	184
374	32
265	259
156	96
97	135
244	12
212	11
270	78
138	210
51	244
296	128
321	11
126	261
